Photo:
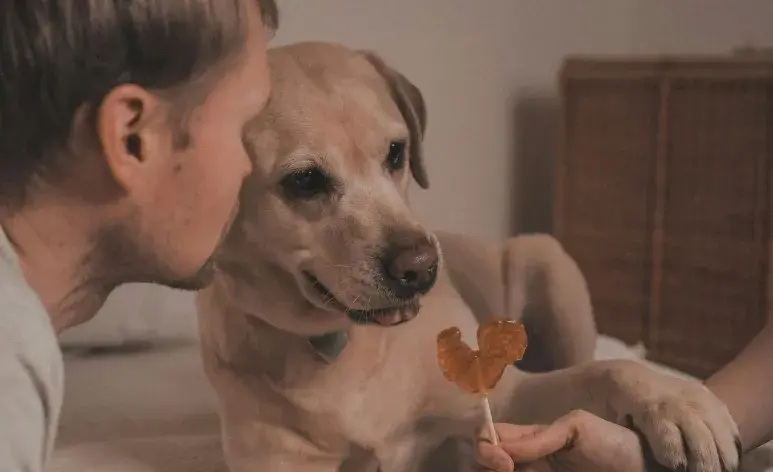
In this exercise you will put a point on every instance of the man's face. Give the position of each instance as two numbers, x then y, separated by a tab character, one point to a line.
183	199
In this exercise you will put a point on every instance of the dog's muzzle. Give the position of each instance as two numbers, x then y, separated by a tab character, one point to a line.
386	316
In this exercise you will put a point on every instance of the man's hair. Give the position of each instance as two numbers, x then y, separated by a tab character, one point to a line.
58	55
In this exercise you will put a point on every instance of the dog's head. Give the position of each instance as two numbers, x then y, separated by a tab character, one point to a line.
324	216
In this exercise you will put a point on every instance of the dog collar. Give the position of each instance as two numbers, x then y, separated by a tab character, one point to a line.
330	345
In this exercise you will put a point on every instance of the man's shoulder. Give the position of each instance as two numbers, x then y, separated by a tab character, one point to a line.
20	308
26	333
31	366
14	289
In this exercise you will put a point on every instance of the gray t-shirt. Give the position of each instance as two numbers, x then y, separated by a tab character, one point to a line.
31	372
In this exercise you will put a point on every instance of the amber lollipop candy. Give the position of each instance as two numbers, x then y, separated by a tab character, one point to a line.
501	342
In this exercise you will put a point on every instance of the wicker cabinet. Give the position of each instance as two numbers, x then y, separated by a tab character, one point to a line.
663	195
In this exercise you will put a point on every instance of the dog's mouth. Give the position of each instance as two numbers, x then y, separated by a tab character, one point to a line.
386	316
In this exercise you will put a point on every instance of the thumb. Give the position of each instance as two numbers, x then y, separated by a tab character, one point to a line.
544	442
493	458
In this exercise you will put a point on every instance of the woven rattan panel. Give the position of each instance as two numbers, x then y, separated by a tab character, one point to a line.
713	228
663	197
607	179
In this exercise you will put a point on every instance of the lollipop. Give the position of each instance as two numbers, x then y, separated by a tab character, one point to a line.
500	343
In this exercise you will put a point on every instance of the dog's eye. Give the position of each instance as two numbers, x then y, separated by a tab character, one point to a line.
396	156
306	183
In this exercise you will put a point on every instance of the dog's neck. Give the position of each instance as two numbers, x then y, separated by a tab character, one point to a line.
240	292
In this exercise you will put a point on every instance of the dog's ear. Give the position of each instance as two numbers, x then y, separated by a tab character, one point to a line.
410	102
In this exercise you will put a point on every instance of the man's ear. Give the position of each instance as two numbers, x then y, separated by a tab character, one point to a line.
126	122
410	102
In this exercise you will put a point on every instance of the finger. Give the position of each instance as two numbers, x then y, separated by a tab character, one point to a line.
508	432
511	432
493	457
542	443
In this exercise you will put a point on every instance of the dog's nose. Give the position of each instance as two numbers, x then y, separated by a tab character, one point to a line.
410	265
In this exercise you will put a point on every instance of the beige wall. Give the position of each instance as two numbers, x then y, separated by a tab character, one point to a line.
487	70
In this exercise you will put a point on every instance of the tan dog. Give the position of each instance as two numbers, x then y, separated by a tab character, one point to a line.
319	331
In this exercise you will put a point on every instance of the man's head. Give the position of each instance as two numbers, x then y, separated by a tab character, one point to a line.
134	109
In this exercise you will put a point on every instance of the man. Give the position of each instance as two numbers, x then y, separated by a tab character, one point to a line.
121	160
581	442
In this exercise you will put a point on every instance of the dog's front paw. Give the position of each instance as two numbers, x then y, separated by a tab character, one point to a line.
687	427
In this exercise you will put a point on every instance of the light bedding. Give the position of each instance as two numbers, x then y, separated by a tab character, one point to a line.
137	314
153	411
145	411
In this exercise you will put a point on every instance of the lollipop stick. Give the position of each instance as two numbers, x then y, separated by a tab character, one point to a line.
490	421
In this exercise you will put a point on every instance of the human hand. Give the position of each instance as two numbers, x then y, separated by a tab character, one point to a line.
577	442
